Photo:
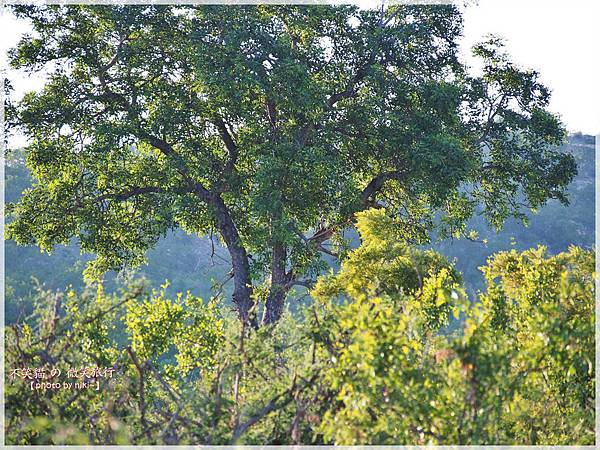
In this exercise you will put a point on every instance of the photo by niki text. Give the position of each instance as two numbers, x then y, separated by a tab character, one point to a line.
54	378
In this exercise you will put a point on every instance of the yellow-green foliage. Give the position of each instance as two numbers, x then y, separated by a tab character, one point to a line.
521	370
531	341
370	363
192	329
384	265
383	366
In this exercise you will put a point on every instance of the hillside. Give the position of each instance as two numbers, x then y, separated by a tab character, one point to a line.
554	226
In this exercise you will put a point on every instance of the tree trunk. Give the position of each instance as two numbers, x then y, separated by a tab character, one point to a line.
279	286
242	290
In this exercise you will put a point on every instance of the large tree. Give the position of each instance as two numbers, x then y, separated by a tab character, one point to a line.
273	126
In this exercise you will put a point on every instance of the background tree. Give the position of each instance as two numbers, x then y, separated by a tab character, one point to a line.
272	125
199	263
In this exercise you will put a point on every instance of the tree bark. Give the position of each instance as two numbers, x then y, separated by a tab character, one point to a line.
242	290
279	286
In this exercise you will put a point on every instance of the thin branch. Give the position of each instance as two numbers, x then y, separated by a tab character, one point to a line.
279	401
142	399
122	196
308	284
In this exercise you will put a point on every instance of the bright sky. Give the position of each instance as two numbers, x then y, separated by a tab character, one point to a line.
558	38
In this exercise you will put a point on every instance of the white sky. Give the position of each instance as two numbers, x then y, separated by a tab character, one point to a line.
558	38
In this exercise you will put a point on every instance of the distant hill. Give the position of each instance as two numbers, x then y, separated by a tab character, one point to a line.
555	226
187	263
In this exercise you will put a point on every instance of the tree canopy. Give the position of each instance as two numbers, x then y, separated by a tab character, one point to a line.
272	126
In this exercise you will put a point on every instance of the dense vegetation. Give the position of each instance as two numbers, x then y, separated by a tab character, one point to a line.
364	364
304	176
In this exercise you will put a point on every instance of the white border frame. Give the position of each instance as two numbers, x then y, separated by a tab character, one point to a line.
3	148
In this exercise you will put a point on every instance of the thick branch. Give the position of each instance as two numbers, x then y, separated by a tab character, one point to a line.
239	257
377	183
271	113
351	89
230	144
374	186
279	285
227	228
